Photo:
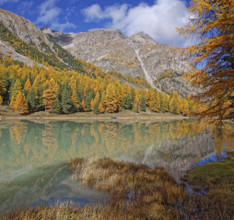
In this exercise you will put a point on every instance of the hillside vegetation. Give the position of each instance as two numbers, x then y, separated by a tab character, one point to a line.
29	89
74	85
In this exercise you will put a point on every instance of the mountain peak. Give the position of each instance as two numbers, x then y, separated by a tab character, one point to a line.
142	38
47	30
108	32
46	27
137	55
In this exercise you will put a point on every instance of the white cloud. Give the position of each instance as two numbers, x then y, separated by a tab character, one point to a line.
93	12
8	1
49	14
25	7
159	20
63	26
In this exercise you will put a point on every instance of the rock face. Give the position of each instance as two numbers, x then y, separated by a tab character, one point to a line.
137	55
23	28
34	38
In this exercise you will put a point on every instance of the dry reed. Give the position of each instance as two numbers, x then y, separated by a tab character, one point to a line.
136	192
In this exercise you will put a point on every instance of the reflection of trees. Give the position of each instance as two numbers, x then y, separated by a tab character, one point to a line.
40	184
228	135
18	132
27	149
223	137
49	140
74	136
12	155
34	144
107	139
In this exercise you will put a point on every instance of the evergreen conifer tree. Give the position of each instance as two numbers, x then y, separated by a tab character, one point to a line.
143	103
66	102
2	85
57	107
88	98
127	102
30	98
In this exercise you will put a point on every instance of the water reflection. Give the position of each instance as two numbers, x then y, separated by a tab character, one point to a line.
32	153
33	144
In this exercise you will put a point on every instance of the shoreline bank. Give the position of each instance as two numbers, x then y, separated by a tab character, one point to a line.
94	118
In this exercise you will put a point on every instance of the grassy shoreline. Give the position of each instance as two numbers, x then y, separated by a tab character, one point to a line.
96	118
138	192
6	113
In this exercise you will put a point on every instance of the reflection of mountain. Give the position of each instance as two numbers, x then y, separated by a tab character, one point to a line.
41	185
25	146
26	143
178	156
29	186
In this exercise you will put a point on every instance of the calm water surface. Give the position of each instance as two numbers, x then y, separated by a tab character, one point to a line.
33	155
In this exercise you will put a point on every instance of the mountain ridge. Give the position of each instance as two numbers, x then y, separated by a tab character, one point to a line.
136	55
67	84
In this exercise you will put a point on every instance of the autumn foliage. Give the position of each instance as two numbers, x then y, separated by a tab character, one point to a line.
64	91
212	24
75	86
20	104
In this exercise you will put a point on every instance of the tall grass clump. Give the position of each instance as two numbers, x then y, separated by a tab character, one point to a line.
137	190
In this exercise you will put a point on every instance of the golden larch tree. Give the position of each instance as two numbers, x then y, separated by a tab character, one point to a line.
83	105
74	99
111	99
50	94
20	104
155	101
212	23
27	85
185	107
17	87
95	101
175	103
101	108
136	101
2	86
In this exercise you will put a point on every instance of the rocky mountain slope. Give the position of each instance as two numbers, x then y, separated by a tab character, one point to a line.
138	55
25	42
23	28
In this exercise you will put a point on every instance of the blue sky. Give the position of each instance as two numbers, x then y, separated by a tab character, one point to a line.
157	18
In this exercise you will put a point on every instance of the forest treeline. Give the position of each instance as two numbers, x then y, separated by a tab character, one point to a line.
65	84
29	89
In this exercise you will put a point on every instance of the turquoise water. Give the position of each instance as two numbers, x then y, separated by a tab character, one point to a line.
33	155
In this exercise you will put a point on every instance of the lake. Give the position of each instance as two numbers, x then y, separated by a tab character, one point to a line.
34	154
